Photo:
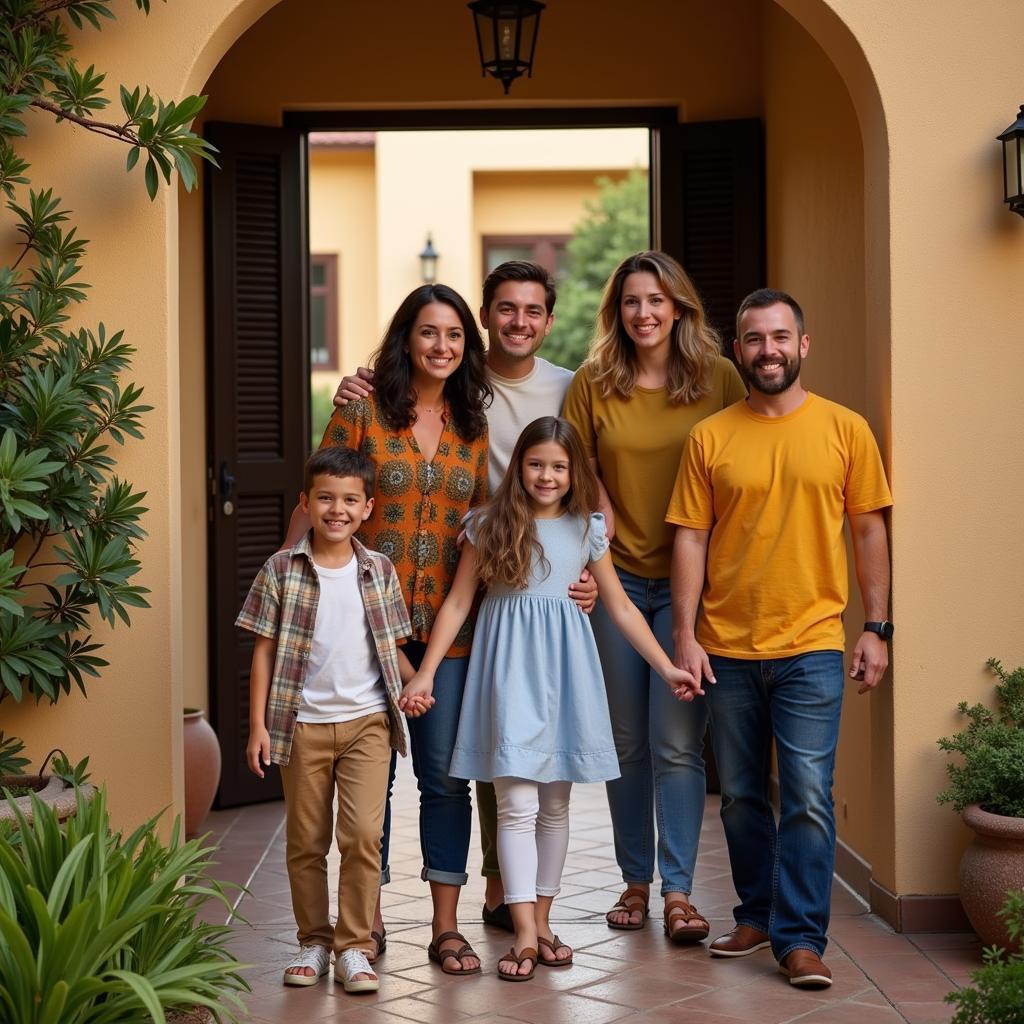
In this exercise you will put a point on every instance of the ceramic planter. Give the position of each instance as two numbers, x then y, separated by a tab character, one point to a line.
202	769
53	791
991	865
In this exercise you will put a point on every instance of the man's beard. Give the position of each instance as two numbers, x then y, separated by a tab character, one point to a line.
775	385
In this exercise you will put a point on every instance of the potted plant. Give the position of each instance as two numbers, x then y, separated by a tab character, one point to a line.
60	788
95	925
996	995
987	788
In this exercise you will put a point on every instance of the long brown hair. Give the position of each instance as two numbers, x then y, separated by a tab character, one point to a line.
612	364
507	535
466	392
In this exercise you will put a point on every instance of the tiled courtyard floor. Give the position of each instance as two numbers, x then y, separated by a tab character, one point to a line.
880	977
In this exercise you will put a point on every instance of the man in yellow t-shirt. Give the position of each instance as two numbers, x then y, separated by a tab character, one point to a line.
760	500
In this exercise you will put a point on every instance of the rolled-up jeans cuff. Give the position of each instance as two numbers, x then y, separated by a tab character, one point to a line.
385	875
490	872
444	877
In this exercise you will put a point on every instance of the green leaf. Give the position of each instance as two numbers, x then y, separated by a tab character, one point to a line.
133	157
152	184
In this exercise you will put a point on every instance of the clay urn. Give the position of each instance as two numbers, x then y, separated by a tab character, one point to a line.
991	866
202	769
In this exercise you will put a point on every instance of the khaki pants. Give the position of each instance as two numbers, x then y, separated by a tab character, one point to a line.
353	758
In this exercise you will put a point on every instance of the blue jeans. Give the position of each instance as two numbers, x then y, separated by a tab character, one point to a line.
446	810
659	742
783	873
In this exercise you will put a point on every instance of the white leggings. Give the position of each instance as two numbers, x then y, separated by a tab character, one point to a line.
533	836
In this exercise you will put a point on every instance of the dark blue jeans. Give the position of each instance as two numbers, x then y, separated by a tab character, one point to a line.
782	873
446	810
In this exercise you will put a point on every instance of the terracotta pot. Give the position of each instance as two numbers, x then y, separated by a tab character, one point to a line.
202	770
52	791
991	866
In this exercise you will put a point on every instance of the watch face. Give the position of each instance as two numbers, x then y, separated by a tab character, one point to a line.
887	630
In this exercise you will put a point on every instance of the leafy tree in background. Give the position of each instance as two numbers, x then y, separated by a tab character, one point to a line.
615	225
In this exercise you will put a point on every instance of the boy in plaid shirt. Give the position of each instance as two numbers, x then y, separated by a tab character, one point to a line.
323	705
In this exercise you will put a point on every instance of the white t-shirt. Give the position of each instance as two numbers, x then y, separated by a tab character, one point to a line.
518	403
343	679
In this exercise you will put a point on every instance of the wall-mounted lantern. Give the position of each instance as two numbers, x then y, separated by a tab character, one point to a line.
1013	164
428	262
506	35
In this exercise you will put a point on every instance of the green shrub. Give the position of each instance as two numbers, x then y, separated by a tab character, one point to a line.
11	763
992	747
997	993
97	929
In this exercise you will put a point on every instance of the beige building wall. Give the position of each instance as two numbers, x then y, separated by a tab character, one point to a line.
941	272
343	223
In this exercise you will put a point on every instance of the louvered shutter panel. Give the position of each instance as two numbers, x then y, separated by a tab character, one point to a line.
257	391
721	231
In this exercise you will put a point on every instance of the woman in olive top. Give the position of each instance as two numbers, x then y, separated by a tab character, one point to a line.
654	370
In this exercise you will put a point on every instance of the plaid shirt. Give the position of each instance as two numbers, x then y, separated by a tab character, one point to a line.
282	605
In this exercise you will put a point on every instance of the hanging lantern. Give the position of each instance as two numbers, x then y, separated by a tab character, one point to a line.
506	36
1013	164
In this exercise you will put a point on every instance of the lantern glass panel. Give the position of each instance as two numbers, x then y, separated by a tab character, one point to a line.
507	39
1015	167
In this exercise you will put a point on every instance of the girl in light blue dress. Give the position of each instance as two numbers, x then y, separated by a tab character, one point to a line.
534	716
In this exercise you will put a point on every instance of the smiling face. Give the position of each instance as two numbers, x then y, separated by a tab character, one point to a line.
647	313
545	473
770	348
517	321
337	506
436	343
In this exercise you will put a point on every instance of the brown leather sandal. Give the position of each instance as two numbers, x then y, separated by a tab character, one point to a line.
380	940
554	946
529	953
628	903
442	956
694	927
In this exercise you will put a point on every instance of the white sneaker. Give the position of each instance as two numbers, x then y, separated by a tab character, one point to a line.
348	965
317	958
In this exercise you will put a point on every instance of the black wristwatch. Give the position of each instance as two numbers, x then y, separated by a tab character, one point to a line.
884	629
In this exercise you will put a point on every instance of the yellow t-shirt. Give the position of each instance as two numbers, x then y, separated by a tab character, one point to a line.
637	442
773	491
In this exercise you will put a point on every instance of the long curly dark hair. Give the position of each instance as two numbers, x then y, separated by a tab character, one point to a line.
466	392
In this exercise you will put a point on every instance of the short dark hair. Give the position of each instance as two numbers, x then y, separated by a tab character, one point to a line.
765	297
339	462
520	270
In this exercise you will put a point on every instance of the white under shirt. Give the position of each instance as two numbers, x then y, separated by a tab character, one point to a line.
343	679
518	402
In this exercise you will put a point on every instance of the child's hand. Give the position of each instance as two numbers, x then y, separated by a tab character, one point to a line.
258	749
684	685
417	695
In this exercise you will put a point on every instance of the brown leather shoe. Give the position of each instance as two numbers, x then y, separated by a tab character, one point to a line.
741	941
805	969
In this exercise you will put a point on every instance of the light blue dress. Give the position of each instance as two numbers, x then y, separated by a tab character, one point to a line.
534	705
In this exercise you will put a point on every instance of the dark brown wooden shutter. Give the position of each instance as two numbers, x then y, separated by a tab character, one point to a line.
257	402
709	207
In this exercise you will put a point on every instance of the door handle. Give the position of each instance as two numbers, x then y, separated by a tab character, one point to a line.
227	490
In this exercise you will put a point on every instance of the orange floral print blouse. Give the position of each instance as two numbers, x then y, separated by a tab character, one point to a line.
418	506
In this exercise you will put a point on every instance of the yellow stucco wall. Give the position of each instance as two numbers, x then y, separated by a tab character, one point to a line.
930	85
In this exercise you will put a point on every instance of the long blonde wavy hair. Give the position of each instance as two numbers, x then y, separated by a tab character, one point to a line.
506	538
611	363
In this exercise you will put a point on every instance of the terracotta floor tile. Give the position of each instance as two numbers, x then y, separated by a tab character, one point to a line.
926	1013
617	975
569	1007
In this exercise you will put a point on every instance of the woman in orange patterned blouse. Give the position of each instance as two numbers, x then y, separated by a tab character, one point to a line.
424	427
